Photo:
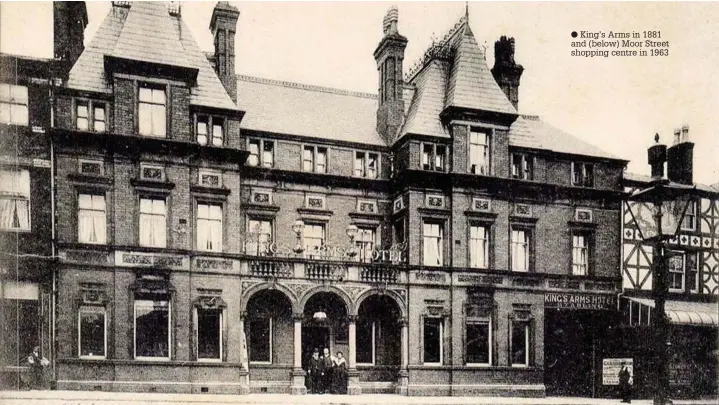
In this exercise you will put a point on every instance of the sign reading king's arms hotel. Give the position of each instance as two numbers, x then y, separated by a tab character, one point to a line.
580	301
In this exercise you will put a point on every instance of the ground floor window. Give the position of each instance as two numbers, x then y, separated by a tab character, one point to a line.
260	340
209	334
433	337
478	342
520	344
20	324
366	338
92	328
152	329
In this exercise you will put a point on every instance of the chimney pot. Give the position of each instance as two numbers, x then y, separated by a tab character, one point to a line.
223	25
391	19
685	134
677	133
506	71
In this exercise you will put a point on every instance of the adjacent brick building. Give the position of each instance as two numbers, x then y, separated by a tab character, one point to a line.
213	229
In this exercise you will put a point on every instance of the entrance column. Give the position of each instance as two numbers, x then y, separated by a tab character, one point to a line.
353	387
403	380
298	375
244	359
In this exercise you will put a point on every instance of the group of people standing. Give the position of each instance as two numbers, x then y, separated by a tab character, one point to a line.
326	374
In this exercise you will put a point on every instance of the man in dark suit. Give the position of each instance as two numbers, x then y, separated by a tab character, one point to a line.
327	368
314	372
624	385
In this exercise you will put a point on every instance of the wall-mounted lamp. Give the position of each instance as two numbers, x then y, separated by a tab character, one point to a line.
297	228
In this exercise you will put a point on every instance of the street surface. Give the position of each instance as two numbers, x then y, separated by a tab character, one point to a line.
116	398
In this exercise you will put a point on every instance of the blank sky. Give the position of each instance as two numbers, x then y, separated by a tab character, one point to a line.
616	103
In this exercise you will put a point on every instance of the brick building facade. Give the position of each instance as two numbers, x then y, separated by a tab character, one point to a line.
213	229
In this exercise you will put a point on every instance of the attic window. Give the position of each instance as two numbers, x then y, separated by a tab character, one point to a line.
210	130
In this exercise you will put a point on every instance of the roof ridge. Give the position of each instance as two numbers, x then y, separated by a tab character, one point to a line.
437	49
303	86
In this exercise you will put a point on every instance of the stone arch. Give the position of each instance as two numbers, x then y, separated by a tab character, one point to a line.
392	294
351	310
248	293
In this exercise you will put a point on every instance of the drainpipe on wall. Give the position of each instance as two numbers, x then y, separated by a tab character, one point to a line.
52	233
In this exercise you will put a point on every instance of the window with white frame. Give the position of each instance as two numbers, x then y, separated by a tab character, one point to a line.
99	120
478	152
433	243
260	231
582	174
365	241
152	328
209	227
314	238
314	159
434	157
209	333
689	222
13	104
580	254
478	246
433	337
520	244
15	200
92	332
262	153
676	265
260	340
365	165
90	116
478	341
82	115
366	341
152	115
522	167
519	344
210	130
91	219
153	222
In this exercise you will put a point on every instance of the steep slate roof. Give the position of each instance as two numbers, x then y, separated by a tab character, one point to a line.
530	132
471	84
311	111
147	32
452	73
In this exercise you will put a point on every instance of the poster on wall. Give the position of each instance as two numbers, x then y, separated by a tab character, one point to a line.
611	368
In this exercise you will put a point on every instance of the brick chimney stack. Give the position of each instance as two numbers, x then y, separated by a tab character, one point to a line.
69	22
389	56
506	71
223	25
680	158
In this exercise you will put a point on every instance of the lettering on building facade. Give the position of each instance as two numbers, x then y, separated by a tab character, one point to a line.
139	259
580	301
428	276
479	279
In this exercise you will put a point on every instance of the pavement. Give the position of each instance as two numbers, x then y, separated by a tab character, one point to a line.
119	398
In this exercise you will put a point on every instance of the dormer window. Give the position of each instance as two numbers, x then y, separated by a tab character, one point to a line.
90	116
582	174
434	157
522	167
365	165
210	130
152	111
262	153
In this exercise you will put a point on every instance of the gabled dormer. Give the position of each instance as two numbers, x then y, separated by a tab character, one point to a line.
143	75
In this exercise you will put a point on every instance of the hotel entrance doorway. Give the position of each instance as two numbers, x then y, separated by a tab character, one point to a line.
314	337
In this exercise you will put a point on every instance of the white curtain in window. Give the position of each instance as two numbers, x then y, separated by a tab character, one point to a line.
209	227
15	199
579	255
260	237
478	247
153	231
520	255
91	219
433	245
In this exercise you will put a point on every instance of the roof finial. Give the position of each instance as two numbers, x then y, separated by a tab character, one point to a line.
466	11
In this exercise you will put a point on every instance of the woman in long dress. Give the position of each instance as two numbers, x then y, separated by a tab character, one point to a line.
339	377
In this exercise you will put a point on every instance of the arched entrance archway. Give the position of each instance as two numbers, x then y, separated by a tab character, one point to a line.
325	324
267	325
379	339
